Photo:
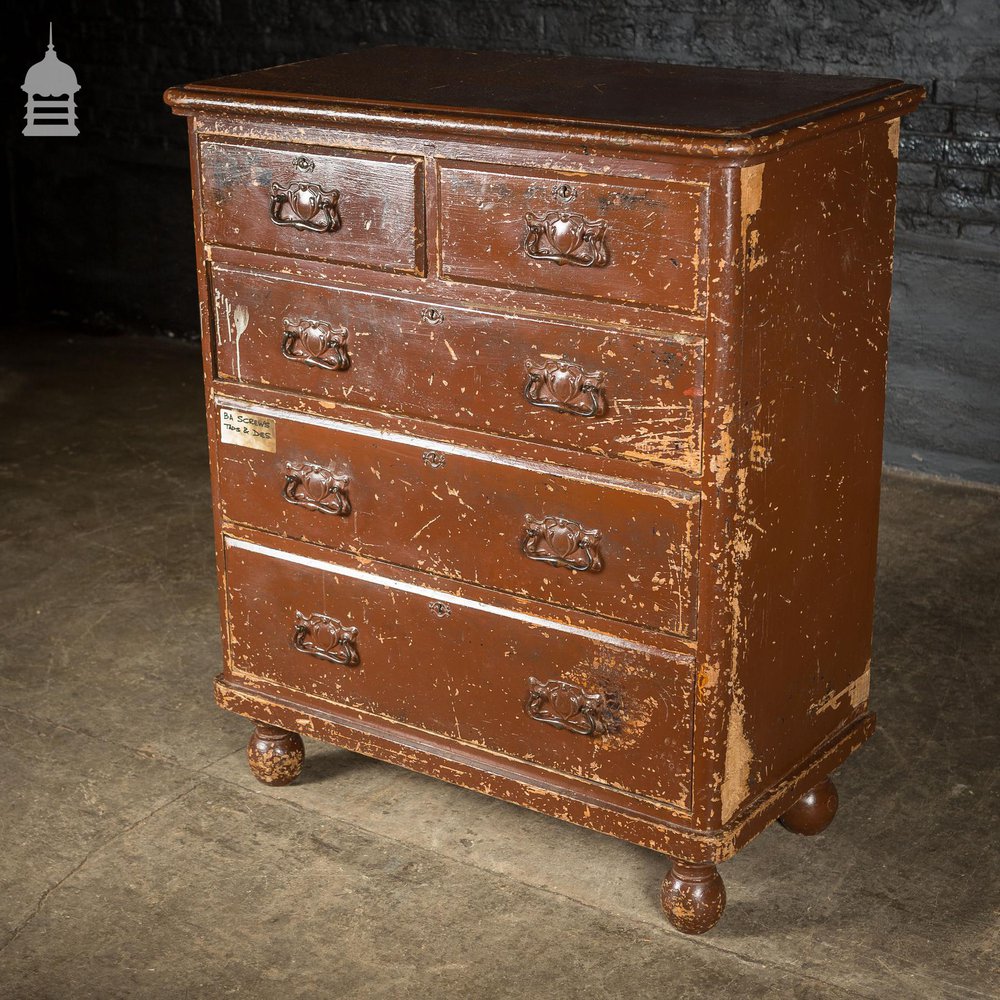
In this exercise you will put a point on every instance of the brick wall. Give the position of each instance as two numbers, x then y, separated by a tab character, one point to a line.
107	215
949	170
126	54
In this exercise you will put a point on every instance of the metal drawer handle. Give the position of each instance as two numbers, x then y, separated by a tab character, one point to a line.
315	343
568	706
315	488
565	387
305	206
559	541
566	238
325	638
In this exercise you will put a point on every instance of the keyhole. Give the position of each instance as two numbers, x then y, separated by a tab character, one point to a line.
565	193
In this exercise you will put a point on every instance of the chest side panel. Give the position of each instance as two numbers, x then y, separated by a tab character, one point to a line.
801	477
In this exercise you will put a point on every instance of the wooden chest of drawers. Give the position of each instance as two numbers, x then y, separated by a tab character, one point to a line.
545	407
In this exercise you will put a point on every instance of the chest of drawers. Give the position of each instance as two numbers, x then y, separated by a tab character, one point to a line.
545	409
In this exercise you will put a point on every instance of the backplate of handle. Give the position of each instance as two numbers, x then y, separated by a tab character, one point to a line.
305	206
325	638
316	488
564	386
562	542
566	238
315	343
568	706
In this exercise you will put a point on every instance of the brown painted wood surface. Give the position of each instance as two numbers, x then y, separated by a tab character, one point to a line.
654	234
602	808
378	203
794	428
765	526
408	356
468	676
462	515
695	99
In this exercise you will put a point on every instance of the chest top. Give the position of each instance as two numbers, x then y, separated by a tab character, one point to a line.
726	108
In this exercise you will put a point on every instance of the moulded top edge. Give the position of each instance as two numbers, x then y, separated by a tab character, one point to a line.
515	90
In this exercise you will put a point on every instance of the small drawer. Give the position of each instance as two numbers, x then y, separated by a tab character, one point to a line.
630	396
339	206
562	698
621	239
613	548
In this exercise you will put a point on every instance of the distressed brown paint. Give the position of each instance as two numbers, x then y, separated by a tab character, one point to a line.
473	367
577	399
485	217
372	218
464	515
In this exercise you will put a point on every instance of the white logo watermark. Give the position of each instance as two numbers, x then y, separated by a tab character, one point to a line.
51	87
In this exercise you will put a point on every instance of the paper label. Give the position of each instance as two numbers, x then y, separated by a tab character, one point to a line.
248	430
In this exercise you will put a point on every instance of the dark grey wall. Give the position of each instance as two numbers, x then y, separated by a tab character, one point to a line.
103	220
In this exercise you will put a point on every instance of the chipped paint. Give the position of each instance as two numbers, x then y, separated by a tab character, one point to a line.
893	137
856	693
723	456
760	450
738	757
708	678
751	194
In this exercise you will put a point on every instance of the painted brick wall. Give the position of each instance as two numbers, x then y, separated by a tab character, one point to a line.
949	170
125	54
108	212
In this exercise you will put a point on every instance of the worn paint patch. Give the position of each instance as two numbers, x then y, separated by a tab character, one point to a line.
760	449
857	692
708	677
739	755
751	194
721	461
894	138
751	190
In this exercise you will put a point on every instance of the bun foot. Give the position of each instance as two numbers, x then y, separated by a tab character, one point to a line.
693	897
275	755
814	812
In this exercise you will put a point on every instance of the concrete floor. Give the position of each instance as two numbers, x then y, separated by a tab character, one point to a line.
138	858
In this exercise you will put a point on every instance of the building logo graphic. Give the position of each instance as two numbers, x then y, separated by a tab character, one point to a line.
51	88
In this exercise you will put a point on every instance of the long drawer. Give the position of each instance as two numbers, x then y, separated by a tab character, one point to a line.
333	205
636	397
616	549
561	698
622	239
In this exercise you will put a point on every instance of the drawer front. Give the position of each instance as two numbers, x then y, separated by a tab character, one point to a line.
616	714
615	550
611	393
344	207
620	239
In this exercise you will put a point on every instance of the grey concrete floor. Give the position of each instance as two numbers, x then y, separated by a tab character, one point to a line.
138	858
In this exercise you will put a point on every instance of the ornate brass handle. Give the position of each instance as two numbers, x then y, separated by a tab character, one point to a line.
564	386
306	206
315	343
568	706
559	541
325	638
315	488
566	238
